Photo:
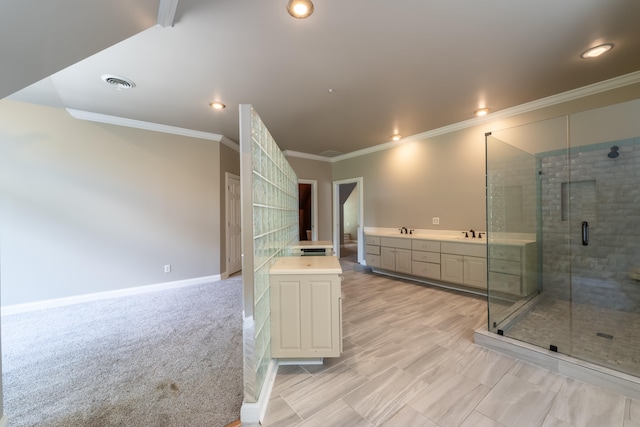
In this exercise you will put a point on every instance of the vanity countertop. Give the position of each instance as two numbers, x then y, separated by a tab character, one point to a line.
313	244
306	265
503	239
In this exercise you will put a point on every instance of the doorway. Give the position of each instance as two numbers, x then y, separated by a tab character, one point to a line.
233	229
348	217
308	209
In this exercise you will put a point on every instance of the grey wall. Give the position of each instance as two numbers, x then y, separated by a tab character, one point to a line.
88	207
444	176
410	184
321	172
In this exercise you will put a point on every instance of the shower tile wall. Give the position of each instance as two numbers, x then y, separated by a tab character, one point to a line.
605	192
512	189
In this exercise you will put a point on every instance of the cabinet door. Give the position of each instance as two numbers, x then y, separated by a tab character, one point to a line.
372	260
451	268
388	258
425	269
306	316
403	261
475	272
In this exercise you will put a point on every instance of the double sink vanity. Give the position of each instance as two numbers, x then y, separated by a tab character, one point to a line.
453	259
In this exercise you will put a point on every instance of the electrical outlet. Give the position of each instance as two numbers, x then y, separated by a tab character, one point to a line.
436	220
167	268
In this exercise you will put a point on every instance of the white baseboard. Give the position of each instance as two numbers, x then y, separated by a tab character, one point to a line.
4	421
309	362
60	302
253	413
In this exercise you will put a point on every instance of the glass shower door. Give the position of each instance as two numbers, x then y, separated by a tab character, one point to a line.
602	205
528	289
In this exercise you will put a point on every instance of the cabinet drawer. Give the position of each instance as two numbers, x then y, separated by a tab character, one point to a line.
372	240
372	260
469	249
371	249
502	266
509	253
425	269
504	283
425	245
432	257
395	242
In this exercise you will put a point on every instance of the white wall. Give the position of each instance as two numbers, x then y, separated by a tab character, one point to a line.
88	207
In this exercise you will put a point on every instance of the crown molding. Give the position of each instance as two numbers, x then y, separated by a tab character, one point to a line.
139	124
593	89
289	153
167	13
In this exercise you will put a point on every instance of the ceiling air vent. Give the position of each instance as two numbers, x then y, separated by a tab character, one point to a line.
118	82
330	153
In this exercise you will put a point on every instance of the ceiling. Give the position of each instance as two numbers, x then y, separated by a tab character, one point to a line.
355	72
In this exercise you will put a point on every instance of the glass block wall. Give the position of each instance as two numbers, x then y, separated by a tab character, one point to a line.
270	226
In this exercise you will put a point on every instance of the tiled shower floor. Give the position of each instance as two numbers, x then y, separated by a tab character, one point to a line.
602	336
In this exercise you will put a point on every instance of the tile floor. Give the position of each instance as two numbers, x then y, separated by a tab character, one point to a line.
409	360
599	335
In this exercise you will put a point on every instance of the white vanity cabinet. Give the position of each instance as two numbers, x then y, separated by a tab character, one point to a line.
395	254
512	268
464	263
425	259
306	307
372	251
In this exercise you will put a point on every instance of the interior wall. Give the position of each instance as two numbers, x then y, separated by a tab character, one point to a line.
410	184
319	171
89	207
444	176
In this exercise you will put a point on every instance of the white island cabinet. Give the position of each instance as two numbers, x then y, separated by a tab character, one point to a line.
306	307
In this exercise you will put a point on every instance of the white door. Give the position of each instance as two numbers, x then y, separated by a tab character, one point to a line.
234	241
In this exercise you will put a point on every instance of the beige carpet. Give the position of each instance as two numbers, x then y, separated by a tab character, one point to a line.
162	359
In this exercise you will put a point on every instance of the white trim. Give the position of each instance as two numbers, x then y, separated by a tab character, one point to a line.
289	153
156	127
593	89
253	413
4	421
549	101
301	362
167	12
314	206
60	302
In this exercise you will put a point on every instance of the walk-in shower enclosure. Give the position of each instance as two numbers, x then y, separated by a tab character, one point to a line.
563	219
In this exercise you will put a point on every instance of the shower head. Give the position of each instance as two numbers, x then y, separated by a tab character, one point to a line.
614	152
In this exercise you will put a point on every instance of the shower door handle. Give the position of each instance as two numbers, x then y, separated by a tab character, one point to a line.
585	233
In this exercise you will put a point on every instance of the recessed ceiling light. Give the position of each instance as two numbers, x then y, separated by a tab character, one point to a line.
481	112
300	8
217	105
396	137
596	51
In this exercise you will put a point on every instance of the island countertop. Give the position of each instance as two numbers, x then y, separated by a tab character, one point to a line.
306	265
313	244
